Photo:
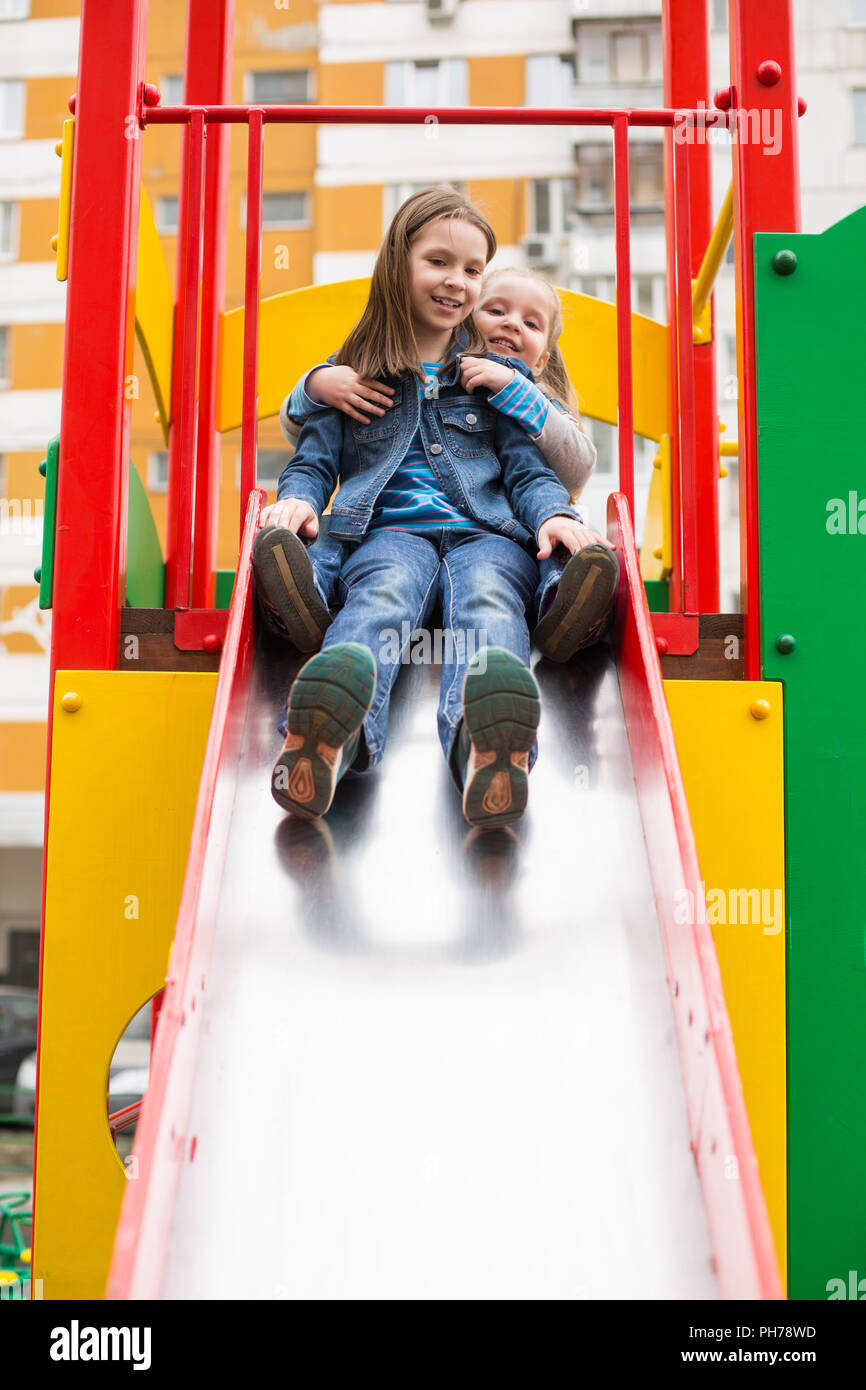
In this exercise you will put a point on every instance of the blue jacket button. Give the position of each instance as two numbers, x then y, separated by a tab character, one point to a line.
436	448
471	419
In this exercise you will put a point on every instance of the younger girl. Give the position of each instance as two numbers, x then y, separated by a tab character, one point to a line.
443	498
520	316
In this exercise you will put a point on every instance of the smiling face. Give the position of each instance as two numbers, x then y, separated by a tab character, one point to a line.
446	263
515	315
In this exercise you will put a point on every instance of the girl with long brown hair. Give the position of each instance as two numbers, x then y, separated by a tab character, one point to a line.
441	498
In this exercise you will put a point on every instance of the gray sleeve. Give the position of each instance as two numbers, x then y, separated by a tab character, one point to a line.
568	451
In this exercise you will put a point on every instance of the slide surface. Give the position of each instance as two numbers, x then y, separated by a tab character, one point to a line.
399	1058
437	1064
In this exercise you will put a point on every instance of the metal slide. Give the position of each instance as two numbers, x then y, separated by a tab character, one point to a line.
401	1059
438	1064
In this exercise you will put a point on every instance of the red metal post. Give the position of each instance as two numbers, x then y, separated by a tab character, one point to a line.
686	43
90	538
766	199
209	35
90	544
183	430
625	407
675	597
686	359
252	288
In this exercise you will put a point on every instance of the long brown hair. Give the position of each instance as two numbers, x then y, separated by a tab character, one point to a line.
383	343
553	381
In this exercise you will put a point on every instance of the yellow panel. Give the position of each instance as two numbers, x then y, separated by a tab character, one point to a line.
125	774
733	772
154	310
301	327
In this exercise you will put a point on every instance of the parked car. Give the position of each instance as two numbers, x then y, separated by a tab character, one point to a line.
127	1077
19	1010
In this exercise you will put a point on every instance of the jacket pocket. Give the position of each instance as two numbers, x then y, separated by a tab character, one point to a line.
468	429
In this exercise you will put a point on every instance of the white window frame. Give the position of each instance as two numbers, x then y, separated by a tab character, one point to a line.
14	9
14	132
550	79
282	225
163	89
249	82
452	86
858	113
154	482
856	14
164	228
562	194
10	218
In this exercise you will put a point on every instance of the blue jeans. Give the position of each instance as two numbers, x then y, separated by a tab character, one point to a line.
390	582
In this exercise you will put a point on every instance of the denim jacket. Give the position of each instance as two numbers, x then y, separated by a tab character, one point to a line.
484	461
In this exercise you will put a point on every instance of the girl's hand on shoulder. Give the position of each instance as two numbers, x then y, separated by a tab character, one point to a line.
343	388
480	371
564	530
294	514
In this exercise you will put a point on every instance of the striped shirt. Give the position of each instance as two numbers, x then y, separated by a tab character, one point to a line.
414	499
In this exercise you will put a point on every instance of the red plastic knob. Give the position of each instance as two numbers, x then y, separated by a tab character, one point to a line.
802	106
211	641
661	645
722	99
769	72
151	94
71	104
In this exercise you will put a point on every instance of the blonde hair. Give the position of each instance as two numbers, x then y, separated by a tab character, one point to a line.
553	380
383	342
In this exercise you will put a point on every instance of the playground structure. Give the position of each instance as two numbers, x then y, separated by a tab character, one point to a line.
158	827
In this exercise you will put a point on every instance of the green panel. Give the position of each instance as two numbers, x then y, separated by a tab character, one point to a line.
657	595
811	351
45	574
145	570
225	582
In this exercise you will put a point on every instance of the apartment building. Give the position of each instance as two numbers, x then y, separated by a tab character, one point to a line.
329	192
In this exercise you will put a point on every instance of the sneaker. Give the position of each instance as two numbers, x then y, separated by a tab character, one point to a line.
328	704
286	588
501	710
582	604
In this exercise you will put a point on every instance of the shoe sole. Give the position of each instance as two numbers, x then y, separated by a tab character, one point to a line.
284	576
501	711
586	590
327	706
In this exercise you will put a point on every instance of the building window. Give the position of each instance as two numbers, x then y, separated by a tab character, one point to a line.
281	210
551	206
550	80
627	55
166	216
11	110
157	471
269	465
397	193
5	336
14	9
720	15
857	11
288	88
647	176
171	89
859	115
433	82
8	231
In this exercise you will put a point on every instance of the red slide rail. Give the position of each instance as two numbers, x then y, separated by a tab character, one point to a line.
162	1139
740	1233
